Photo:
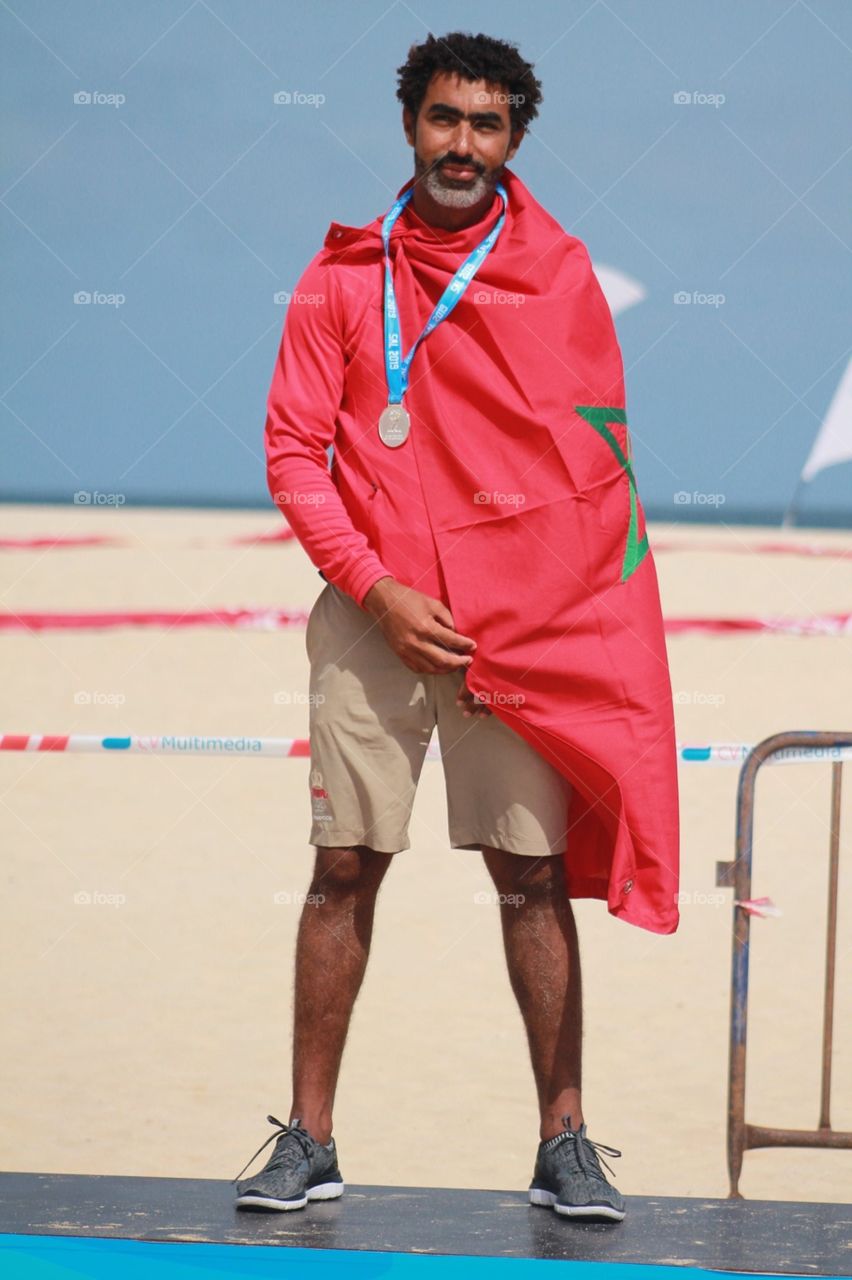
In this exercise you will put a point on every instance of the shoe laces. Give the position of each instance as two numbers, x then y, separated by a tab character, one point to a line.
287	1153
585	1151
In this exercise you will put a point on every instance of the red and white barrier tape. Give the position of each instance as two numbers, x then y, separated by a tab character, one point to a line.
718	753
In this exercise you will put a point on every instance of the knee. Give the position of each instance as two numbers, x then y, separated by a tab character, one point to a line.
347	873
536	879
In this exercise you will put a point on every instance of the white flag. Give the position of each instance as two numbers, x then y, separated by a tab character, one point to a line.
621	291
834	438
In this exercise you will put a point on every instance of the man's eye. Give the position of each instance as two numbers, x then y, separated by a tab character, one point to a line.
489	125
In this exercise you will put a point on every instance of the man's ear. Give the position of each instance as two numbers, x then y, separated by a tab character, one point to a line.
408	124
517	139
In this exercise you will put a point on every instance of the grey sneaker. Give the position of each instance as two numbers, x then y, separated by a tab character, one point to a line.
568	1177
300	1169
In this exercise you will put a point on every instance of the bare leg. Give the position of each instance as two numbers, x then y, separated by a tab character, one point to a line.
543	957
332	948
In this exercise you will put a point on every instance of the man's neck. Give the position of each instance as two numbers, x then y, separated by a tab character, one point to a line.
447	217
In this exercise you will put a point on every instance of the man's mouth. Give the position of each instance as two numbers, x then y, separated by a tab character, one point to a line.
462	172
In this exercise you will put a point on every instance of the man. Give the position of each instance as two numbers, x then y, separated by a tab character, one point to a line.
487	572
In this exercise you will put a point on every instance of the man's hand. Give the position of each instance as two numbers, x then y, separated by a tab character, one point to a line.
469	704
419	629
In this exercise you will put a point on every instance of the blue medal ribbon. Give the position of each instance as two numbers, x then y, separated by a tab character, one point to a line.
397	366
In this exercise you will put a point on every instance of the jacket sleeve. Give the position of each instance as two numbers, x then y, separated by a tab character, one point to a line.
306	391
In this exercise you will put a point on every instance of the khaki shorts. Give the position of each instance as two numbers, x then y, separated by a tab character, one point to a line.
371	720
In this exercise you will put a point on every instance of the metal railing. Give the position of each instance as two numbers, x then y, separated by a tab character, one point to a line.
743	1136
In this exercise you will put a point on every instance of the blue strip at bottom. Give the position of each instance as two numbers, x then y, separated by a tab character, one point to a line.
89	1258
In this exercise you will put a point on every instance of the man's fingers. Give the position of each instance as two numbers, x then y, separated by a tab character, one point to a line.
476	709
441	613
470	703
452	639
445	629
440	661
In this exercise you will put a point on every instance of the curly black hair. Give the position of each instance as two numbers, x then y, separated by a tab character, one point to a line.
477	57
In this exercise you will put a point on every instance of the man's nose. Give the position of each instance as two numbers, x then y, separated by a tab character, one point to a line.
463	139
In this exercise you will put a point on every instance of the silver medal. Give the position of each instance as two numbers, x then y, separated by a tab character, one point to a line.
394	425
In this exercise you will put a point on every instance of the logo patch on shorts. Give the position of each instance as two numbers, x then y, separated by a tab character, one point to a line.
320	808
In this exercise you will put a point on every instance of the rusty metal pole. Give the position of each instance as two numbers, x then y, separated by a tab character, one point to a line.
741	1135
830	946
741	878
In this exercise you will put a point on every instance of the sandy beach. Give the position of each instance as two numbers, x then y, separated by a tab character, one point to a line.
148	1032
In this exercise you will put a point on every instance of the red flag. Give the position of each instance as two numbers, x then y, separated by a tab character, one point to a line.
513	500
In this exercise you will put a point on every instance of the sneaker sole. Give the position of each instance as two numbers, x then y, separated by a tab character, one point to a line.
548	1200
325	1191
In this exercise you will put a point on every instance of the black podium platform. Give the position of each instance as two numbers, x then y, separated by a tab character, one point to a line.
740	1235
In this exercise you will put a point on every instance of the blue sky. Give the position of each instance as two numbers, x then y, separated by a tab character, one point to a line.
183	198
